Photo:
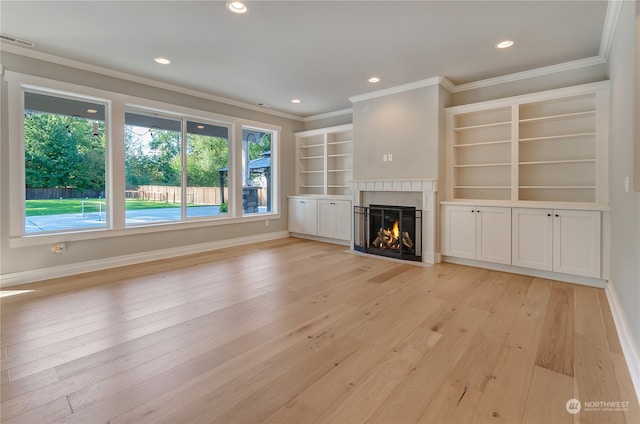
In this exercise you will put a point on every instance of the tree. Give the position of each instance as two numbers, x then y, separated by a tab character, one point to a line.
60	151
205	155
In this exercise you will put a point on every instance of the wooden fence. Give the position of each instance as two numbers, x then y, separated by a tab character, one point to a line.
195	195
167	194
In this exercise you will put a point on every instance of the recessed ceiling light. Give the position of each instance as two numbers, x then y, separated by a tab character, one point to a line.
236	6
162	60
504	44
374	80
296	101
200	127
92	111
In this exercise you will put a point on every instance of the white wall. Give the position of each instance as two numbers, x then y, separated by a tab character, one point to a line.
24	259
404	124
625	206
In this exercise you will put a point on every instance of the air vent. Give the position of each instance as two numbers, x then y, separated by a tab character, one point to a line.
17	41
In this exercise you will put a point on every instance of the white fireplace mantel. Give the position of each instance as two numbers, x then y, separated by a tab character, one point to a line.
427	188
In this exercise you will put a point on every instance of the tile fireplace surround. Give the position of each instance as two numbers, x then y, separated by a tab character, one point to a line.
418	193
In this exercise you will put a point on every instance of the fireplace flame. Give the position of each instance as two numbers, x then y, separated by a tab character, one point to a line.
396	230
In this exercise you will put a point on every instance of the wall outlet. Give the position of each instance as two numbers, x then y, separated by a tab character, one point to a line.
58	248
384	157
390	157
626	184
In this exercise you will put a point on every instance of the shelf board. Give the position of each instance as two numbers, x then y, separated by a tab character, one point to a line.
484	143
339	170
560	116
340	142
337	155
312	157
311	172
309	146
484	187
492	124
557	137
337	186
545	162
558	187
312	186
479	165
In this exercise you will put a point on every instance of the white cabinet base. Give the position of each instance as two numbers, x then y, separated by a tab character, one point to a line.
587	281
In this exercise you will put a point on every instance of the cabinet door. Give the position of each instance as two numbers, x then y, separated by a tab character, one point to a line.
532	238
296	216
343	219
310	221
334	219
576	242
326	218
493	234
459	231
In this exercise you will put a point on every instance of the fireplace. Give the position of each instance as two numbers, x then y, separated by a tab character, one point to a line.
389	230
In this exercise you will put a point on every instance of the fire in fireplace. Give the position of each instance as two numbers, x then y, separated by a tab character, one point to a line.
385	230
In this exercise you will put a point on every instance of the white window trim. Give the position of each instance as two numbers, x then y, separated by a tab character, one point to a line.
18	82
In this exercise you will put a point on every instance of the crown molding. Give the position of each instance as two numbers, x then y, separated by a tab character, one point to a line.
614	8
397	89
333	114
532	73
140	80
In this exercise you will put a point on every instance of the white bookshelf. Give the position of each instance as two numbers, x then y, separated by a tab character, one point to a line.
324	161
542	147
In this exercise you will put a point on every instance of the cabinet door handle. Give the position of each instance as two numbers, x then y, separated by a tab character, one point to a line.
548	214
557	215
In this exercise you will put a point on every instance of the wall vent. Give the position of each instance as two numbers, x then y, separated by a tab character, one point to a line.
17	41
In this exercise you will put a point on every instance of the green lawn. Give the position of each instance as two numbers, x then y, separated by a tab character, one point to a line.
56	207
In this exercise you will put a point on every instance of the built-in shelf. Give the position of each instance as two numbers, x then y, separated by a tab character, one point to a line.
485	143
324	161
558	137
482	164
549	146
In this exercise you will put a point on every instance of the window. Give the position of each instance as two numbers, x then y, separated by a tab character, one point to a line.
153	168
82	178
256	168
207	170
64	164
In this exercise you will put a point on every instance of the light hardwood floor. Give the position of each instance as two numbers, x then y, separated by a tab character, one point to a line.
296	331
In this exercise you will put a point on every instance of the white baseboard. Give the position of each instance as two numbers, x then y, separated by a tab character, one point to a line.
627	341
12	279
577	279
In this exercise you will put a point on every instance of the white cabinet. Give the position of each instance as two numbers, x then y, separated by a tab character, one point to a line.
324	161
481	233
334	219
323	217
303	216
566	241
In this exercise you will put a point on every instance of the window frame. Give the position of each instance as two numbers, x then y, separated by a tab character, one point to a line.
116	105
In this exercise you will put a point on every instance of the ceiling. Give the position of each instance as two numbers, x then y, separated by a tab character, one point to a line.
321	52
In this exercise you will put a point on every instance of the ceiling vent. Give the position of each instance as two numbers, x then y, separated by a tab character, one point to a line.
17	41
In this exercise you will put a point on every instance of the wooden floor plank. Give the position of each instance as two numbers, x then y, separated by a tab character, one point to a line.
298	331
547	398
556	349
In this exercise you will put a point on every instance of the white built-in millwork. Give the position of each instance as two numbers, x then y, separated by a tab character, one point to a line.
481	233
527	182
566	241
324	161
303	216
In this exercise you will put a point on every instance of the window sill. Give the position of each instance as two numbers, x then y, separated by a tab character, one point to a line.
50	238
